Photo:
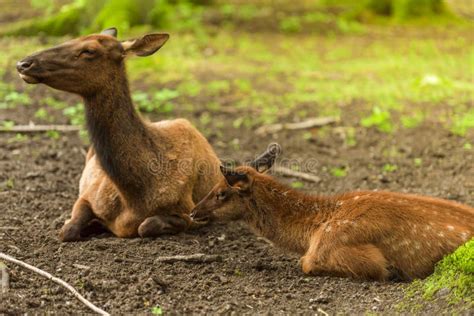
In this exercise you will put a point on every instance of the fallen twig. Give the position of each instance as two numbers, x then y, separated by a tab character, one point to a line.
268	241
194	258
297	174
322	311
56	280
5	277
39	128
312	122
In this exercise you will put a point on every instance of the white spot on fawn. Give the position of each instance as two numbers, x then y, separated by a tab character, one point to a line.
450	228
441	234
356	197
464	235
328	229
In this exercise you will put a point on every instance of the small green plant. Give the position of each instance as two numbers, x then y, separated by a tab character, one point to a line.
381	119
75	114
8	124
291	24
350	137
160	101
467	146
217	87
53	103
42	114
389	168
13	99
157	310
53	134
338	172
413	120
418	162
9	183
462	123
205	119
18	138
297	184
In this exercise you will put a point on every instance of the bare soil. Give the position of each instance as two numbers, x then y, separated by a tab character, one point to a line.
39	178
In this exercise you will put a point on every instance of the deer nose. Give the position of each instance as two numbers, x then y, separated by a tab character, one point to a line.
24	65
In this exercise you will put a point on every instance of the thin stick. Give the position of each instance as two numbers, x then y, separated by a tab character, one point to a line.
310	123
297	174
194	258
56	280
39	128
5	277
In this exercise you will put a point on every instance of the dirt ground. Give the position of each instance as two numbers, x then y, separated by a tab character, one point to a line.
122	276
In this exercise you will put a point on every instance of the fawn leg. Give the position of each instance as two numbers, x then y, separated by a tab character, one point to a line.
359	261
81	216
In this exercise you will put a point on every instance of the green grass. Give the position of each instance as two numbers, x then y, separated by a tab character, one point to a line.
455	273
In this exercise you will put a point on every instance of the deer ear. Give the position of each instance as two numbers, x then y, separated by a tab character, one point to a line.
112	31
235	179
145	45
266	160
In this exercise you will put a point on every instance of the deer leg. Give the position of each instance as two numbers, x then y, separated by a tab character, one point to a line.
163	224
81	216
359	262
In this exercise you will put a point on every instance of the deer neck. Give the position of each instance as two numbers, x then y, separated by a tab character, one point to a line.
285	216
121	140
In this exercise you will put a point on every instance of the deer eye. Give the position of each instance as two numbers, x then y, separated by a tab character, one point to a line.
221	195
87	53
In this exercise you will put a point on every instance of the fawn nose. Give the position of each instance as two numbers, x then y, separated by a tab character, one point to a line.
24	65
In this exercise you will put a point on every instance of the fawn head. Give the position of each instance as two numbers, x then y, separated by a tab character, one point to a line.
86	64
228	199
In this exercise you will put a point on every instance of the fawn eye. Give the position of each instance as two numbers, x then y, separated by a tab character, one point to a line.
221	195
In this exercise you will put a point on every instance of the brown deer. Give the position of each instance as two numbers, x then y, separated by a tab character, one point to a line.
364	235
140	178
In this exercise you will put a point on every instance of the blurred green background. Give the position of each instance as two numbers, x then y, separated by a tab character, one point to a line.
385	64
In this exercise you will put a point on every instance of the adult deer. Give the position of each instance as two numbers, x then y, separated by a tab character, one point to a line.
366	235
140	178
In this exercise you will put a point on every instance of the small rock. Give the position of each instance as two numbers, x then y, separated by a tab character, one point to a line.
443	292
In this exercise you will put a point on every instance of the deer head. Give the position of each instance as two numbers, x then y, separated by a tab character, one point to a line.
86	64
228	199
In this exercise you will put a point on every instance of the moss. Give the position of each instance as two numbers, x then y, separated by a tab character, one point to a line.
454	275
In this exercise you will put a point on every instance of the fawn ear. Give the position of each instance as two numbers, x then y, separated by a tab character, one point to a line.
266	160
235	179
112	31
146	45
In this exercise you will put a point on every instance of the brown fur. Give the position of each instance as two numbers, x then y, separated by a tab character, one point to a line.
140	178
363	234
